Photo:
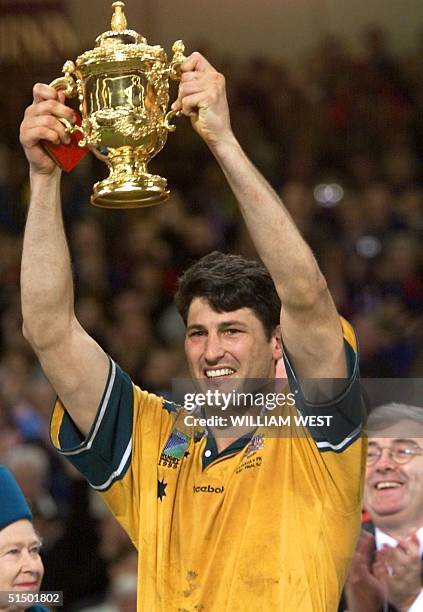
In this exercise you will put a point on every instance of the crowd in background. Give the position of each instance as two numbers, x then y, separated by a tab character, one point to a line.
341	139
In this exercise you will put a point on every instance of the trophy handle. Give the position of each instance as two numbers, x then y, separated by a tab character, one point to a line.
71	129
67	84
170	127
175	74
177	59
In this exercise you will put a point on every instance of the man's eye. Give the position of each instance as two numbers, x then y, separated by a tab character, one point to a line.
197	333
13	551
231	331
35	550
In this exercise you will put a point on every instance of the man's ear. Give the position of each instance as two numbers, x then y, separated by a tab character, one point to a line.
276	341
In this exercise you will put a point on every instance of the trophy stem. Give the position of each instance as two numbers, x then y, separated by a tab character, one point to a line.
129	185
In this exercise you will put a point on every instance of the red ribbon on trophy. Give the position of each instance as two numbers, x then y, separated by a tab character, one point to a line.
67	156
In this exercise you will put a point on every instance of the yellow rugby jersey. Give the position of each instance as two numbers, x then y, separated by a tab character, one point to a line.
270	523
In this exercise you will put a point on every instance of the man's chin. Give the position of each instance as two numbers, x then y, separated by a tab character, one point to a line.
388	510
221	383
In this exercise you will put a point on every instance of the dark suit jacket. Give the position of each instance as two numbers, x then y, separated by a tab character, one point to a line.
367	526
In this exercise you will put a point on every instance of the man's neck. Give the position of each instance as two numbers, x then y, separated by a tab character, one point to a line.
222	443
225	436
231	435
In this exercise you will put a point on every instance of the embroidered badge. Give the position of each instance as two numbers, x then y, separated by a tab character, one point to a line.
256	444
176	445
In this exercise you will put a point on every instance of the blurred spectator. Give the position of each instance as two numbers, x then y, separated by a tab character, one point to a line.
30	465
122	591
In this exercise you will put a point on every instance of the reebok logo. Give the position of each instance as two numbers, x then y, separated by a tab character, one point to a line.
208	489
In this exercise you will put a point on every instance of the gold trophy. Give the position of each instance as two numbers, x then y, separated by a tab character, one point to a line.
123	88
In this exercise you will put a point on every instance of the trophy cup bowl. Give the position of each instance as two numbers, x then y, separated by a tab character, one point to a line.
123	89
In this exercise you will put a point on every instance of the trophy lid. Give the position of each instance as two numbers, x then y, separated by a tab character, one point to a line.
120	43
119	32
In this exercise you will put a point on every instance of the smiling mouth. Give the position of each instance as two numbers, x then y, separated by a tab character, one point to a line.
221	372
381	486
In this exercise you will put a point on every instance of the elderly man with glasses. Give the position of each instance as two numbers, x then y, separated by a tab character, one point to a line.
386	572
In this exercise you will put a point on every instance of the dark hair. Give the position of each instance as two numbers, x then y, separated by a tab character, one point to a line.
229	282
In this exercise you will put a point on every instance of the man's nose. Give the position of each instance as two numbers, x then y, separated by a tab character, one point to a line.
386	460
214	349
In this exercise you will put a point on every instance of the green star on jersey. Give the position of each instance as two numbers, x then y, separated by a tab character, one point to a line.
161	489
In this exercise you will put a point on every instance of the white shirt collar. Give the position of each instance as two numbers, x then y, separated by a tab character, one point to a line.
383	538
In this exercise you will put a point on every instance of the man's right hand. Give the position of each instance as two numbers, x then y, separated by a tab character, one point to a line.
41	122
363	591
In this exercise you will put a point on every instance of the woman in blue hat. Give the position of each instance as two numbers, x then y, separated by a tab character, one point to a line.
21	568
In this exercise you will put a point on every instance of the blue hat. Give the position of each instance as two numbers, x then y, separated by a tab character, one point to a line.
13	506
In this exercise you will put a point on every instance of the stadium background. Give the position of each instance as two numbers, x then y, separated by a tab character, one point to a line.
326	98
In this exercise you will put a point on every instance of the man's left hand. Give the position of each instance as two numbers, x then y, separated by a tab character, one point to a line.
399	571
202	97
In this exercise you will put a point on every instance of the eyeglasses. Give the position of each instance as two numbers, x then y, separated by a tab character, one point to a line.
401	451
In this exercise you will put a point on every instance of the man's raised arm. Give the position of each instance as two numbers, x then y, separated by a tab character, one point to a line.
74	363
311	328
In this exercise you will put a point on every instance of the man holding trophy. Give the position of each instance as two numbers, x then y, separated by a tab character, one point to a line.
211	534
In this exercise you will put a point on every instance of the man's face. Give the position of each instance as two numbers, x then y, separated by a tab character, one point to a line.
225	345
394	492
21	568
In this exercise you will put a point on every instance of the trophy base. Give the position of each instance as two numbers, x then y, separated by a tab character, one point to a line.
133	192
